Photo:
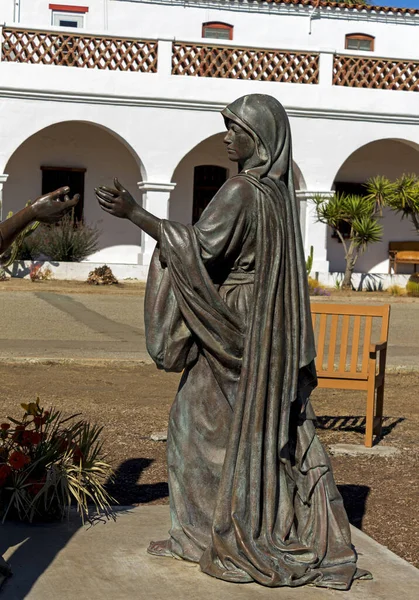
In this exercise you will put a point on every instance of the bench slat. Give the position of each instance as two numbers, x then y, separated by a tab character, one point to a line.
344	342
332	342
367	341
343	384
314	320
342	375
321	340
348	309
355	343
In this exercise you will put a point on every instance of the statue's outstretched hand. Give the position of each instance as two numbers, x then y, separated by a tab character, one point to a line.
116	201
51	207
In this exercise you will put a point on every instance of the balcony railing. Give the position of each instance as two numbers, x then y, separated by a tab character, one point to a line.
83	51
225	61
376	73
244	63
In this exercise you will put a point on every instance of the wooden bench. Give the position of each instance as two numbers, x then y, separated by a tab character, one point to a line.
346	358
403	252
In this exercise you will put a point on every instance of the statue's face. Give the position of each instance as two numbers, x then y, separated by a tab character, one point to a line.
240	145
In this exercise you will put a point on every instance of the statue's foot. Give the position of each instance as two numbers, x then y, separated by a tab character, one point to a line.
161	548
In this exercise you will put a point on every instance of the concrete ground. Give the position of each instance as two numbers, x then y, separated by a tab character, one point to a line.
73	326
109	562
53	325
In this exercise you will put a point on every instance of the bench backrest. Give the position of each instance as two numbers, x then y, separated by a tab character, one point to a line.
400	246
343	335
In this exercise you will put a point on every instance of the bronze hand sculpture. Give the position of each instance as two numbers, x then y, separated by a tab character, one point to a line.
48	208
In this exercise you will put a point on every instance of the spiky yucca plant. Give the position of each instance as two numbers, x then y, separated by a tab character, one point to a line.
360	214
49	463
401	195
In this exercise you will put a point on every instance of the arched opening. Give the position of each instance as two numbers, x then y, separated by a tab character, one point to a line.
206	167
87	155
209	152
390	158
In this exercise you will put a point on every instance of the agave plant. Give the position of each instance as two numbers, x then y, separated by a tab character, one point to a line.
360	215
49	463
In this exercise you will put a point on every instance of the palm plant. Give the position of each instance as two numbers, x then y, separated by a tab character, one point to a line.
360	215
401	195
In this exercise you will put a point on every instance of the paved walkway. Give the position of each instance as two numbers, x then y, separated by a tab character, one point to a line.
72	326
109	562
51	325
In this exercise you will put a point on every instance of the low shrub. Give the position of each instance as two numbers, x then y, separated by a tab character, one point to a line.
49	462
396	290
65	241
412	287
102	276
316	288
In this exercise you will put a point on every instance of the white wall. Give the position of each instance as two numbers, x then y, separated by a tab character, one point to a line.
260	24
163	117
82	145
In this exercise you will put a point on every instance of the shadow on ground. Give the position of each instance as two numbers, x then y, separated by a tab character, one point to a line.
355	501
32	554
354	423
125	488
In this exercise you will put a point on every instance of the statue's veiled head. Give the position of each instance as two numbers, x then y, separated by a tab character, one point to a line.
258	135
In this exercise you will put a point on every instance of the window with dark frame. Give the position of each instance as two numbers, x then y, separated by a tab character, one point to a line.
207	181
56	177
359	41
217	30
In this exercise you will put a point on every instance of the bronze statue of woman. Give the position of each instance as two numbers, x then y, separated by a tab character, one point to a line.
252	494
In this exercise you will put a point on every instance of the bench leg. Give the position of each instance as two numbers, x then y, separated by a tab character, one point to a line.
369	425
379	411
380	393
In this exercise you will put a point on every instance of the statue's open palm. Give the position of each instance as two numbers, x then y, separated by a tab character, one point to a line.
116	201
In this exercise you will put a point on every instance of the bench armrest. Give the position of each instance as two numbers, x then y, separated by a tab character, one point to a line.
374	348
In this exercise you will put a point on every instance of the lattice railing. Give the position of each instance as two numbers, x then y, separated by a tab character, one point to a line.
244	63
377	73
83	51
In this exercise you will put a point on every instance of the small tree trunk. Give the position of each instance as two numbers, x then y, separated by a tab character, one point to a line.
351	257
415	220
346	283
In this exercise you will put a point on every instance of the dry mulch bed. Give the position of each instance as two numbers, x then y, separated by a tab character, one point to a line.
381	494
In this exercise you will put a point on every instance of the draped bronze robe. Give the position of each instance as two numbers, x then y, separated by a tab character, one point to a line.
252	493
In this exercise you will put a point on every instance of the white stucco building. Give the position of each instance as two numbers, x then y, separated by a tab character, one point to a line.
133	88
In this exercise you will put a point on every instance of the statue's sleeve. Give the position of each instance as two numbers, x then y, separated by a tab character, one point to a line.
225	222
183	309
